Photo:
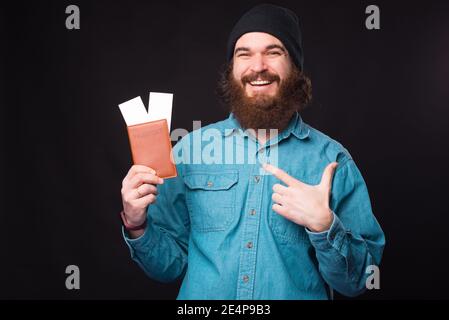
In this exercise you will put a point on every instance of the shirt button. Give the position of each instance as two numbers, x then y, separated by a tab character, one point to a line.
245	278
249	245
252	212
257	179
261	150
209	183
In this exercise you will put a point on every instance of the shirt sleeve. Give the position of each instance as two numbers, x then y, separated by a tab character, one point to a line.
162	250
355	239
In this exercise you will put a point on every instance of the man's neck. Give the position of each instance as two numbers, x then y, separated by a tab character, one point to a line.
262	135
263	138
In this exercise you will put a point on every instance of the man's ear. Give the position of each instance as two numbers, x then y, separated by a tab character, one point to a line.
231	70
231	65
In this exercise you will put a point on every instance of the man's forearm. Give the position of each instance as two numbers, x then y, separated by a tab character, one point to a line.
342	258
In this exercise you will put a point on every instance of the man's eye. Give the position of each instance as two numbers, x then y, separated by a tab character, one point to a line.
239	55
274	53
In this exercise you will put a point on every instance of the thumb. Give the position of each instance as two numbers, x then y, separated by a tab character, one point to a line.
328	174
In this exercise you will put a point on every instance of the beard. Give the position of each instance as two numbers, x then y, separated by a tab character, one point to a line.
263	111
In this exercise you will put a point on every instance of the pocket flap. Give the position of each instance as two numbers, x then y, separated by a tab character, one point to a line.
211	180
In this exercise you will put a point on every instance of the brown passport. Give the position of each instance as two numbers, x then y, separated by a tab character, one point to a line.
151	147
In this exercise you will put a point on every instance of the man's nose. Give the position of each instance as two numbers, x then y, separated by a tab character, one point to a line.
258	63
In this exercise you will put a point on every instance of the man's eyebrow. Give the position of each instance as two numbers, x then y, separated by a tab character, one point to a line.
275	46
271	46
246	49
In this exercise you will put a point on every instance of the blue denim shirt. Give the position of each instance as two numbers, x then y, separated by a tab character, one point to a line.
213	226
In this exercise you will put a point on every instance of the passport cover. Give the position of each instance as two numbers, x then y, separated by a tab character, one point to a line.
151	147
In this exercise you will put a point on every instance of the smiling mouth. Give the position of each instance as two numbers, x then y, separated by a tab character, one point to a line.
260	83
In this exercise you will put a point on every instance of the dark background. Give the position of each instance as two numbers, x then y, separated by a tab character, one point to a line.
64	151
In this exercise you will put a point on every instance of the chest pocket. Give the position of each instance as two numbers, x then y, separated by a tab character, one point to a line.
210	199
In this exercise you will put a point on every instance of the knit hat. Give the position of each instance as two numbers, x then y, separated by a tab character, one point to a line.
280	22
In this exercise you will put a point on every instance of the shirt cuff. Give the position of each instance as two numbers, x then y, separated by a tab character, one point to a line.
142	243
332	238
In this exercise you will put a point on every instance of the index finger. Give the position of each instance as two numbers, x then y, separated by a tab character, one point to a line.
137	168
144	178
280	174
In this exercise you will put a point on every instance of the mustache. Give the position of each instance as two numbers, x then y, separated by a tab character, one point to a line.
265	76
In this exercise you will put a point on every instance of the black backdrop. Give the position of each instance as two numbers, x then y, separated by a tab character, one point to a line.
64	150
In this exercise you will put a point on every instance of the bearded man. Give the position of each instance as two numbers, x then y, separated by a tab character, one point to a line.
296	229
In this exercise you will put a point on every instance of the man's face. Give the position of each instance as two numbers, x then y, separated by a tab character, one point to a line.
261	63
261	86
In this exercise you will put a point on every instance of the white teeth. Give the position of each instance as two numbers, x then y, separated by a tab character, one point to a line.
259	82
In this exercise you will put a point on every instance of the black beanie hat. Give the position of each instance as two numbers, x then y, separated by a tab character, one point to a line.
280	22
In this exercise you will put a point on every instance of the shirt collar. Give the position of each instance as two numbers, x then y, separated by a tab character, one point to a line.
296	126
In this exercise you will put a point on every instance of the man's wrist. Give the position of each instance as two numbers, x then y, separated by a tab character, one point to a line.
323	225
129	226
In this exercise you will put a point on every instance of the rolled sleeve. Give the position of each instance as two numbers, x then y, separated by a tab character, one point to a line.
332	238
143	244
